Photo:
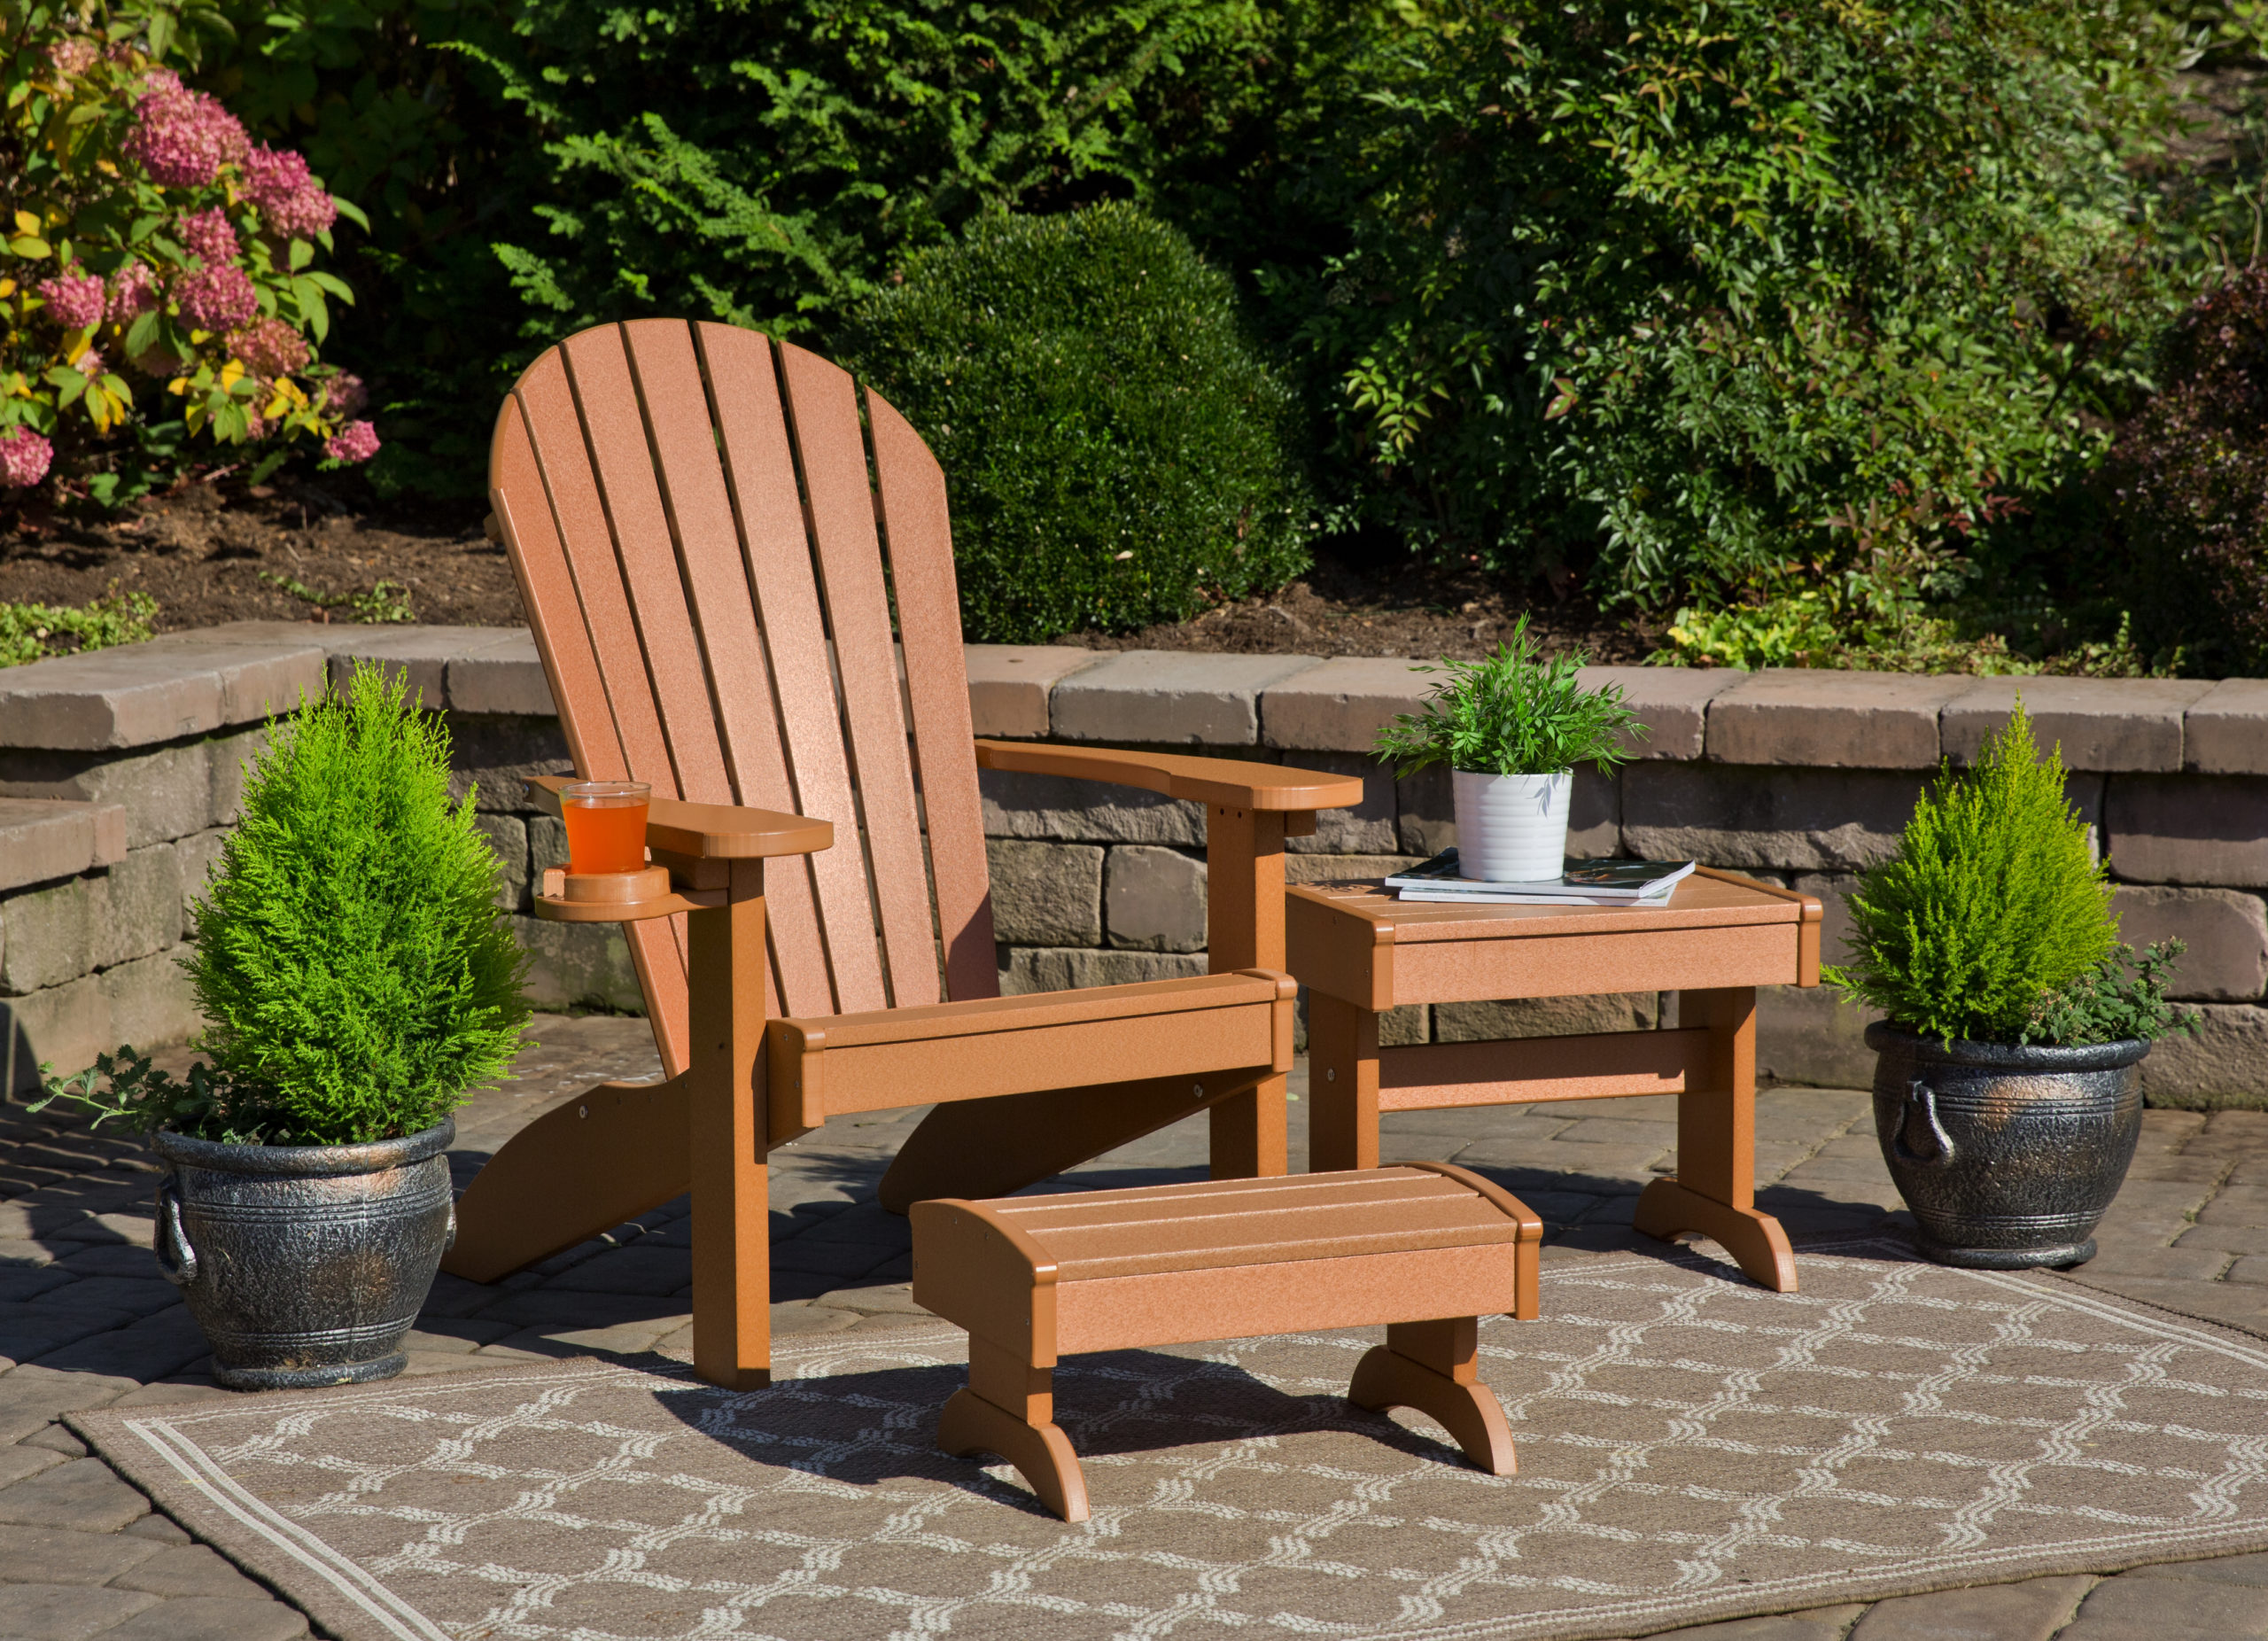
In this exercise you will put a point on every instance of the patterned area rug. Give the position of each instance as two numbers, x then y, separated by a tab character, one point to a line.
1691	1447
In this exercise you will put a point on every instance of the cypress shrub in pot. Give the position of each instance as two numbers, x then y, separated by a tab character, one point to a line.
2008	1086
357	978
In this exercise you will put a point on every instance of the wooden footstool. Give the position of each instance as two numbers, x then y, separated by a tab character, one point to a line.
1425	1248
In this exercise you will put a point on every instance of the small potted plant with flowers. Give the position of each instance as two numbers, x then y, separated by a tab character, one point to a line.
1510	729
357	978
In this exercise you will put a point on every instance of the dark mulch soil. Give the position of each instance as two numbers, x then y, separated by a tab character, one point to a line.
203	553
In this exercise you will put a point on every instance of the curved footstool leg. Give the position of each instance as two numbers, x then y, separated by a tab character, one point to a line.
1430	1366
1754	1240
1041	1453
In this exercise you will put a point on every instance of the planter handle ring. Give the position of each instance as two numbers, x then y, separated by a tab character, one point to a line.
1920	1123
176	1259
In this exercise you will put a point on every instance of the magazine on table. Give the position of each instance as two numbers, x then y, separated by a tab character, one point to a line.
1601	881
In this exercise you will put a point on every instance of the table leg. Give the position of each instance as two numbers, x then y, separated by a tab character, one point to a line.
1714	1190
1009	1408
1432	1367
1342	1085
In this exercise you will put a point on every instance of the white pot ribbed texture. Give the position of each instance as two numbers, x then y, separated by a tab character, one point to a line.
1512	829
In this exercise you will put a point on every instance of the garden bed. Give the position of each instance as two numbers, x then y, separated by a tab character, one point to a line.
214	553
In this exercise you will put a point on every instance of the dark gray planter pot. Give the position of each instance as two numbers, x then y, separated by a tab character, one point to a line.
304	1264
2009	1157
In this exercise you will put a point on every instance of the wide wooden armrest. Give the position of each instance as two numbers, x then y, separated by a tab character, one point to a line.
1218	1031
712	831
1225	780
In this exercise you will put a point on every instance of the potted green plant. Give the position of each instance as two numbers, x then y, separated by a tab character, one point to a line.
356	978
2008	1086
1510	729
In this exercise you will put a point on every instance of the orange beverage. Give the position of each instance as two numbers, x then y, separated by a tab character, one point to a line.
606	825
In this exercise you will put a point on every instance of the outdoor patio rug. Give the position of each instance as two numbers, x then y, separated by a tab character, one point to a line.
1691	1447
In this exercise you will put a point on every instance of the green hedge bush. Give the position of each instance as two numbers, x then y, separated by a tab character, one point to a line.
1115	448
1701	287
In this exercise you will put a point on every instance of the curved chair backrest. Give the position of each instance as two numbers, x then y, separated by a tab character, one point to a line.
692	514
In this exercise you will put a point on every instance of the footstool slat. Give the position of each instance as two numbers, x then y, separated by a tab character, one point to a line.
1426	1248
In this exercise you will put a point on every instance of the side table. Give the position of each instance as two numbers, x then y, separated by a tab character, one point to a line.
1361	952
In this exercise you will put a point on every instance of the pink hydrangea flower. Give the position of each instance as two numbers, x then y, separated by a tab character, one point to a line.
73	56
183	138
271	347
91	364
346	395
208	236
357	441
74	299
286	192
133	292
25	455
216	299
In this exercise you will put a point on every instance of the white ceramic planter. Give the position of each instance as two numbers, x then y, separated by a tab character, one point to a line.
1512	829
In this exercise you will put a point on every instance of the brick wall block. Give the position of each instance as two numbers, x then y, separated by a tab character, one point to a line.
45	838
150	1000
2195	829
1339	705
578	965
2227	933
425	652
1830	719
65	1026
1834	889
231	759
1800	819
1672	701
1045	894
1009	684
1546	1016
166	793
1427	808
506	677
50	935
200	857
1345	869
2225	730
1084	811
547	844
2227	1063
1813	1036
138	911
1368	828
508	841
2101	723
1154	899
1068	968
1178	698
497	753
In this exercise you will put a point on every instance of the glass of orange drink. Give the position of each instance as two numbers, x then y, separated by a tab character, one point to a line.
606	825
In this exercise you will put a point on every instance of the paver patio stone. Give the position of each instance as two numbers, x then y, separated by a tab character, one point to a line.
2032	1610
207	1618
66	1611
2225	1609
1825	1623
58	1556
81	1493
189	1570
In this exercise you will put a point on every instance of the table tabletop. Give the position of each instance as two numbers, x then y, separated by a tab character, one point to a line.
1708	899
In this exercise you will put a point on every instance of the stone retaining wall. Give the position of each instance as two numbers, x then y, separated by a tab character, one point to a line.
120	772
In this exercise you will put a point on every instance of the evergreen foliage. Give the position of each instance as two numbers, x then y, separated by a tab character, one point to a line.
1513	713
2120	998
1993	904
355	975
1116	449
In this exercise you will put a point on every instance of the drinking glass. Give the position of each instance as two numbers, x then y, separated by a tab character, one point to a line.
606	825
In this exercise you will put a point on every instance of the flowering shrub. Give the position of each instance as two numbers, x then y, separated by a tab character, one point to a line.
159	272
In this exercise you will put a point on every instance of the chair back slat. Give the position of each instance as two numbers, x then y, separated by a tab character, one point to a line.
752	426
675	403
920	544
694	527
547	592
823	412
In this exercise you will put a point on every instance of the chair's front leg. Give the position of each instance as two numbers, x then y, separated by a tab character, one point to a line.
1244	928
732	1249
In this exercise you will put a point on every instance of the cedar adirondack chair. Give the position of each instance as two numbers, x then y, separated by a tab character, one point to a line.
692	520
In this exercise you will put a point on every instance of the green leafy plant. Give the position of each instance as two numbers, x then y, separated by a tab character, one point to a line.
1992	905
355	972
386	601
1117	449
1513	713
1672	286
160	268
2117	1000
34	631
